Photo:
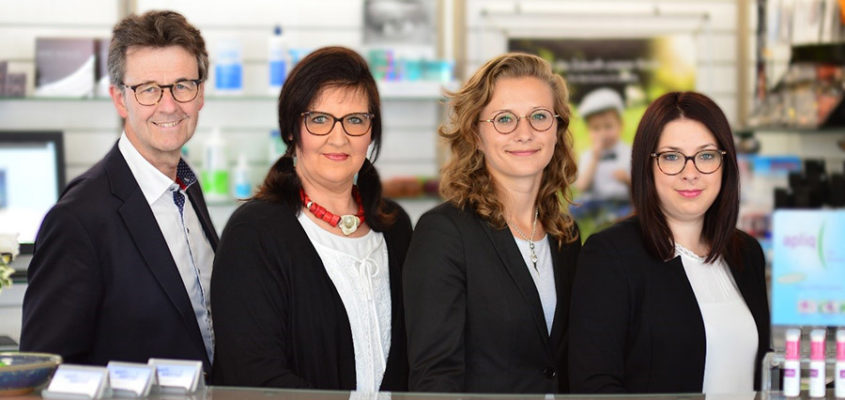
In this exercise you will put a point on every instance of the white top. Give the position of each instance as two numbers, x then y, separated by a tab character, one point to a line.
184	235
730	331
605	186
358	268
543	276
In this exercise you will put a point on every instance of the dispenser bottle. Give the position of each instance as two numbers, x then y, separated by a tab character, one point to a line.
277	56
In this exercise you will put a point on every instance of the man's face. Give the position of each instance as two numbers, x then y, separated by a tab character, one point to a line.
158	131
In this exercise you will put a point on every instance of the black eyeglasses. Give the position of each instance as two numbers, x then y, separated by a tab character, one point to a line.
150	93
506	122
320	124
674	162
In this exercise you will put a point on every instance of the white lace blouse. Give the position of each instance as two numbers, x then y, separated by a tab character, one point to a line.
729	327
358	268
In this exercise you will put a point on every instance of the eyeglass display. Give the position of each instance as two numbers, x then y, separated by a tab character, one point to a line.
506	122
673	162
320	123
150	93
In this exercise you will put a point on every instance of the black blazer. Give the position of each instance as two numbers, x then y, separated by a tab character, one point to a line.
278	319
102	282
474	317
635	325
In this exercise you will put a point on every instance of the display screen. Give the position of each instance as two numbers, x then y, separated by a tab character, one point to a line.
31	177
808	268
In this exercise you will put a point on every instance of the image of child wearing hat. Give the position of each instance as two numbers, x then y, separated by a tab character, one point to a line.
604	169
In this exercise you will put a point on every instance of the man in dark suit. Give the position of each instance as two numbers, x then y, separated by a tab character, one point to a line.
122	262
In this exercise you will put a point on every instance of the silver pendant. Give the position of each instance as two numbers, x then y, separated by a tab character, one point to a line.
348	224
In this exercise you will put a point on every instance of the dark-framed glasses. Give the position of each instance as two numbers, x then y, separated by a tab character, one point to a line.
150	93
319	123
673	162
506	122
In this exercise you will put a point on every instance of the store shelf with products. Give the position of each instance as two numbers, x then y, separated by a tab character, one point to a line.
809	96
388	90
411	114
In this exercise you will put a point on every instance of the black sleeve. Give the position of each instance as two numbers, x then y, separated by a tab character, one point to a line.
435	306
761	310
598	324
249	309
65	289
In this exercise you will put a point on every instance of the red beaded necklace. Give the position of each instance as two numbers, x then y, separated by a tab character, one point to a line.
347	223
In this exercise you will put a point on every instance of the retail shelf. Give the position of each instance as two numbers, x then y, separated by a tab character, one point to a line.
401	90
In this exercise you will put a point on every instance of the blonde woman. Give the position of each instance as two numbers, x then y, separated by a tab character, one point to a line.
488	273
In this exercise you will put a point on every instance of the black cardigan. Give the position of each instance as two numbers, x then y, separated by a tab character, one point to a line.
278	319
635	325
475	321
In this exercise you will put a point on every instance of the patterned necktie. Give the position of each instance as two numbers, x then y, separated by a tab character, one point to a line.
184	177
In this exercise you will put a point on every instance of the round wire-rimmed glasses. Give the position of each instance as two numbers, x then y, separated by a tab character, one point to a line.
506	121
150	93
674	162
320	123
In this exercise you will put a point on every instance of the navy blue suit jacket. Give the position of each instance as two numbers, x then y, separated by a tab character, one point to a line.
102	282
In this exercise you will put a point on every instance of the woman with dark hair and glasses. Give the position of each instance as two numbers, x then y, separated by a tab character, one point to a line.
674	298
307	281
488	273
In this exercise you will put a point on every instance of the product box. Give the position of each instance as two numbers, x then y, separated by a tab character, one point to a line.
15	85
65	67
102	74
4	66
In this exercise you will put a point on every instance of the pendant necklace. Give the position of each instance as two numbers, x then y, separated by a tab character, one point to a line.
530	238
347	223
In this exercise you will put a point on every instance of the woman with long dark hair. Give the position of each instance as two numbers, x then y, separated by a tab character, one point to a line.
307	281
674	298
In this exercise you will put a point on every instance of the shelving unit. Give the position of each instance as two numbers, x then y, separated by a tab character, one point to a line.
411	110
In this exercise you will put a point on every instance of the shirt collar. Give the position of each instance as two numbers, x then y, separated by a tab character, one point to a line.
153	183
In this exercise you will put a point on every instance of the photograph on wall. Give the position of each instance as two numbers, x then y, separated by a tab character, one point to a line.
409	22
611	82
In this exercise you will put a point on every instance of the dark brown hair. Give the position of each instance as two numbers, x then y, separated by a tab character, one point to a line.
719	230
326	67
155	29
466	180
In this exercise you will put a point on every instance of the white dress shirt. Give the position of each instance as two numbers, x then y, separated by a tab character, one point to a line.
729	328
358	268
185	237
543	276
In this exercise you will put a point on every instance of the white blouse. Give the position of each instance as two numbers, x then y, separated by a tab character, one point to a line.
358	268
543	276
730	331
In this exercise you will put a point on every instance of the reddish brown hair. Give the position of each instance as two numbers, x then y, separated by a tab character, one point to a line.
719	229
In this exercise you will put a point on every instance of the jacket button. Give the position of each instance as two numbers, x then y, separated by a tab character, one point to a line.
550	373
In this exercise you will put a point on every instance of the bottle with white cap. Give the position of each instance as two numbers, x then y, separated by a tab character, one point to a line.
817	363
840	364
792	364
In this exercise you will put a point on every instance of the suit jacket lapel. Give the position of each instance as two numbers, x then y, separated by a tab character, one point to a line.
142	226
562	288
513	262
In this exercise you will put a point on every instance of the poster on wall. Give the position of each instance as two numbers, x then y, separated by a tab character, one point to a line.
612	74
639	69
399	22
808	268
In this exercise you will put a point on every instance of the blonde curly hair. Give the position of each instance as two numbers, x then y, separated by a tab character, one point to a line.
465	179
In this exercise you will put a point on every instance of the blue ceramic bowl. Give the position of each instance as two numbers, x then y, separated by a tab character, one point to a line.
20	373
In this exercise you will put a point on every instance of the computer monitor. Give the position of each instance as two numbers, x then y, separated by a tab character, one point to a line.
32	175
